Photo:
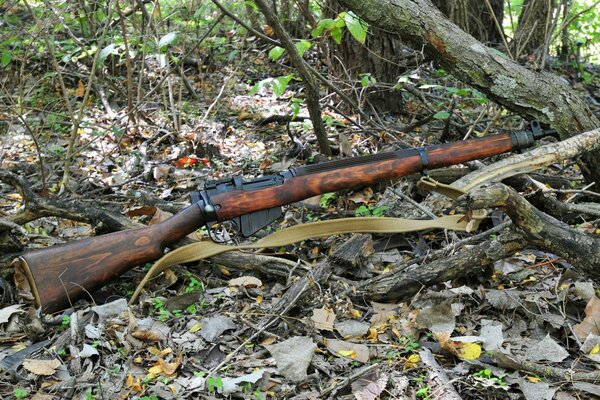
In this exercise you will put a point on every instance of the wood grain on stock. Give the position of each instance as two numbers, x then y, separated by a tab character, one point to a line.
59	275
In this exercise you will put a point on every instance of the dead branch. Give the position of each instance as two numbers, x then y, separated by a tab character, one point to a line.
408	278
538	228
440	385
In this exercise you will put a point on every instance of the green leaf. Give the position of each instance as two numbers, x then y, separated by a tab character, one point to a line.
6	57
280	84
260	85
167	40
336	34
325	24
276	52
326	199
20	393
356	26
302	46
105	52
441	115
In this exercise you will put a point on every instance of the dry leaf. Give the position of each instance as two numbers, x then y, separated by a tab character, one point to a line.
354	351
323	318
148	336
41	367
370	386
246	281
80	91
463	347
165	368
591	322
159	216
382	313
7	312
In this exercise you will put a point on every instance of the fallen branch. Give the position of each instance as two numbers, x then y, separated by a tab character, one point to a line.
539	229
408	278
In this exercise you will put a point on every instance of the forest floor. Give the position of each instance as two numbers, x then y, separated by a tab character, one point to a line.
224	328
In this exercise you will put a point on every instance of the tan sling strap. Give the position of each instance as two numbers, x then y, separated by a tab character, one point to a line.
200	250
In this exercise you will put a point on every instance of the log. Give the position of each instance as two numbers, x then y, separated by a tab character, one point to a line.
539	229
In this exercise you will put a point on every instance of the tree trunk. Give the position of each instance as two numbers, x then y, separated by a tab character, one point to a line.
536	95
474	17
379	56
533	29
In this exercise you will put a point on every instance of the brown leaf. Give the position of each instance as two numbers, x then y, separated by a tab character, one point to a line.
148	336
369	387
41	367
354	351
591	322
246	281
382	313
323	318
80	91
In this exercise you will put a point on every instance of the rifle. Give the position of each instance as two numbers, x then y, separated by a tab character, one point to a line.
61	274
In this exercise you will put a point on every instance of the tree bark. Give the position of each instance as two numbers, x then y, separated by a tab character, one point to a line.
473	17
536	95
380	56
534	26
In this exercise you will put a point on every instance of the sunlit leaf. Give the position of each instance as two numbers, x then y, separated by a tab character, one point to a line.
357	27
441	115
325	24
336	34
5	59
276	52
302	46
167	40
105	52
280	84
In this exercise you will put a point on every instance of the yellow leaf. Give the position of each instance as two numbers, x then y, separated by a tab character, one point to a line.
396	332
224	271
413	358
196	327
129	381
412	361
80	91
347	353
156	370
268	341
533	378
259	299
372	334
470	351
138	360
157	352
595	349
355	313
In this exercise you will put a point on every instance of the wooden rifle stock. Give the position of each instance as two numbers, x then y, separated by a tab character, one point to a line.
61	274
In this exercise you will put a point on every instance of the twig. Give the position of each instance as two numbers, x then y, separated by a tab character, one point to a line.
345	381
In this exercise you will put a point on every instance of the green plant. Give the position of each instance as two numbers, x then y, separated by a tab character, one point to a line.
194	285
489	375
423	393
214	383
357	27
159	308
20	393
370	211
326	199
